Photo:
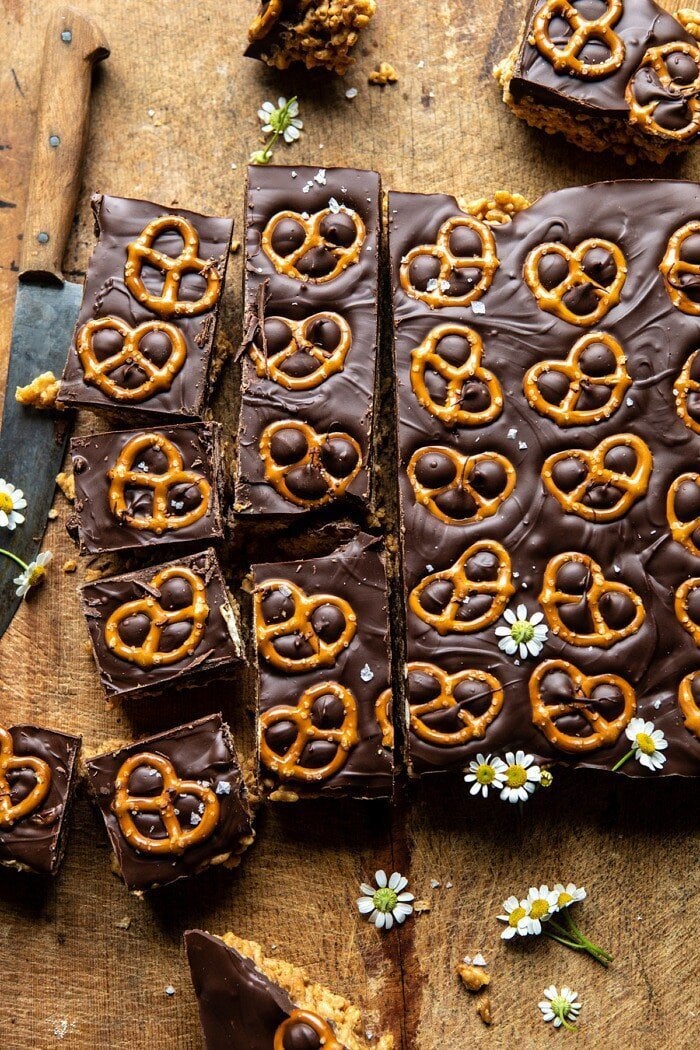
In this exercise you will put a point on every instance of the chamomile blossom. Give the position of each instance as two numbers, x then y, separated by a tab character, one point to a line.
521	777
484	774
515	914
32	574
540	902
545	911
562	1006
568	895
12	503
647	743
278	120
525	636
387	902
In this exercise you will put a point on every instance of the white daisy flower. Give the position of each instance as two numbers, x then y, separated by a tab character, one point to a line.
521	777
12	501
647	743
32	574
485	773
568	895
540	902
525	635
516	915
387	902
561	1007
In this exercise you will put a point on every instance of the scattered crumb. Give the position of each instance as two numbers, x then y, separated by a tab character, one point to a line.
473	977
69	566
422	906
497	210
351	93
235	245
123	924
434	884
385	74
52	515
283	795
66	483
483	1008
40	393
91	575
169	990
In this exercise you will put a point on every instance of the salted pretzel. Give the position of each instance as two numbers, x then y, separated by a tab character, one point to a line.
346	736
604	732
486	262
382	712
299	623
551	300
631	486
344	255
264	21
473	726
567	413
656	61
683	532
683	388
452	411
553	597
11	812
125	806
464	467
673	267
688	704
142	251
326	1036
148	653
500	589
565	57
272	365
123	476
681	607
276	473
99	373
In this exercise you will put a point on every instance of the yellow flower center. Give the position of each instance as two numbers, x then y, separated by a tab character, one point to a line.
564	899
516	776
539	908
37	573
485	774
516	915
645	744
5	502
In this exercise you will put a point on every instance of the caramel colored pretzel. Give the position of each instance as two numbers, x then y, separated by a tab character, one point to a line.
276	473
567	413
313	238
99	373
603	733
565	57
473	726
382	712
673	268
681	608
500	590
270	366
688	704
683	387
323	1030
453	413
464	465
300	623
346	736
656	59
632	486
11	812
551	300
487	262
148	654
122	476
141	251
176	840
552	597
265	20
683	532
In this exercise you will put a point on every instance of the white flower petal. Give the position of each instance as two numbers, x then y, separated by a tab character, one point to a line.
536	618
521	612
380	878
509	615
365	905
367	889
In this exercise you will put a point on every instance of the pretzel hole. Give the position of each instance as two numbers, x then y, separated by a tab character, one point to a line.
324	333
482	567
287	237
577	616
488	478
465	243
106	343
169	241
462	281
329	623
692	604
692	405
422	687
436	596
280	736
21	782
423	271
695	688
434	470
569	473
606	700
133	630
175	593
183	498
471	696
293	647
573	577
602	497
473	606
307	483
138	502
339	457
457	504
174	635
689	252
454	348
582	299
301	1036
617	609
151	460
595	51
318	753
145	781
338	229
597	361
687	501
682	68
317	262
552	270
276	606
288	446
193	286
622	459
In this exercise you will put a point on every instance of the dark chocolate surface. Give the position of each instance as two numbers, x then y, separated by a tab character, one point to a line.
637	549
100	530
200	751
289	16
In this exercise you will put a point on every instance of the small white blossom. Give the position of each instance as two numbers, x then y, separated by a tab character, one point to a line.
541	903
568	895
561	1007
485	773
387	902
32	574
526	634
521	777
515	915
280	120
12	502
647	743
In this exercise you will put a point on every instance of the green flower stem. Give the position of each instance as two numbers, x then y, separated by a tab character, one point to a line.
8	554
571	937
576	932
625	758
563	940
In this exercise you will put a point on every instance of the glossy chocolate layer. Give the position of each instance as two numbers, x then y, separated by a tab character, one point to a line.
201	751
635	549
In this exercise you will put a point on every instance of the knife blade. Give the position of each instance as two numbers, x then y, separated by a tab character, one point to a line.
32	443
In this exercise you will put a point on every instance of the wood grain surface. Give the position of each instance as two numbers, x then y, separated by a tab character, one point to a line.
174	119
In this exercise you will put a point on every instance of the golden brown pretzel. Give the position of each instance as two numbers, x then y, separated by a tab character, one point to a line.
681	608
323	1030
300	623
673	268
566	413
551	300
122	476
553	596
148	654
473	726
270	366
486	262
656	60
453	412
565	57
603	733
265	20
346	736
464	466
167	303
383	713
683	387
501	588
99	373
276	473
632	486
11	813
176	840
345	255
683	532
688	704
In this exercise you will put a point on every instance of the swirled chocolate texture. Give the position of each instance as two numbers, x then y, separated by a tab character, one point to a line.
608	478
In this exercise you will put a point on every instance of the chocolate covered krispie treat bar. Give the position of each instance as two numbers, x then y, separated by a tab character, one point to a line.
318	33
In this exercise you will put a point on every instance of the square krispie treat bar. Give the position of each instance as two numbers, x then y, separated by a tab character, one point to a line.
318	33
249	1002
173	804
609	74
37	778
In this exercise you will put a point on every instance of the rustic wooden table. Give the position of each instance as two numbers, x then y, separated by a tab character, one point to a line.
174	119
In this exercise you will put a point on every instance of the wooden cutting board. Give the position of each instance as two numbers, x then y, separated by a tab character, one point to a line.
174	119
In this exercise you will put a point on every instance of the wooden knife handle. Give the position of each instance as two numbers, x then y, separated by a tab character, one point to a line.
72	46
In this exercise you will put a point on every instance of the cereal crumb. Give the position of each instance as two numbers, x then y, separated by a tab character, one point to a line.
90	576
235	247
52	515
385	74
40	393
473	977
70	565
483	1008
422	906
66	483
123	924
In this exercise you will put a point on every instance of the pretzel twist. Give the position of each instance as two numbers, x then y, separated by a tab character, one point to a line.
464	465
500	589
313	238
299	623
681	608
673	267
452	412
276	473
688	704
632	486
167	303
12	812
122	476
683	387
176	840
565	57
473	726
567	413
148	654
487	262
99	373
271	366
551	300
346	736
323	1030
383	713
682	532
265	20
603	733
656	60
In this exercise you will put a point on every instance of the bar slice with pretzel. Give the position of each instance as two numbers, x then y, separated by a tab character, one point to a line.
317	33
